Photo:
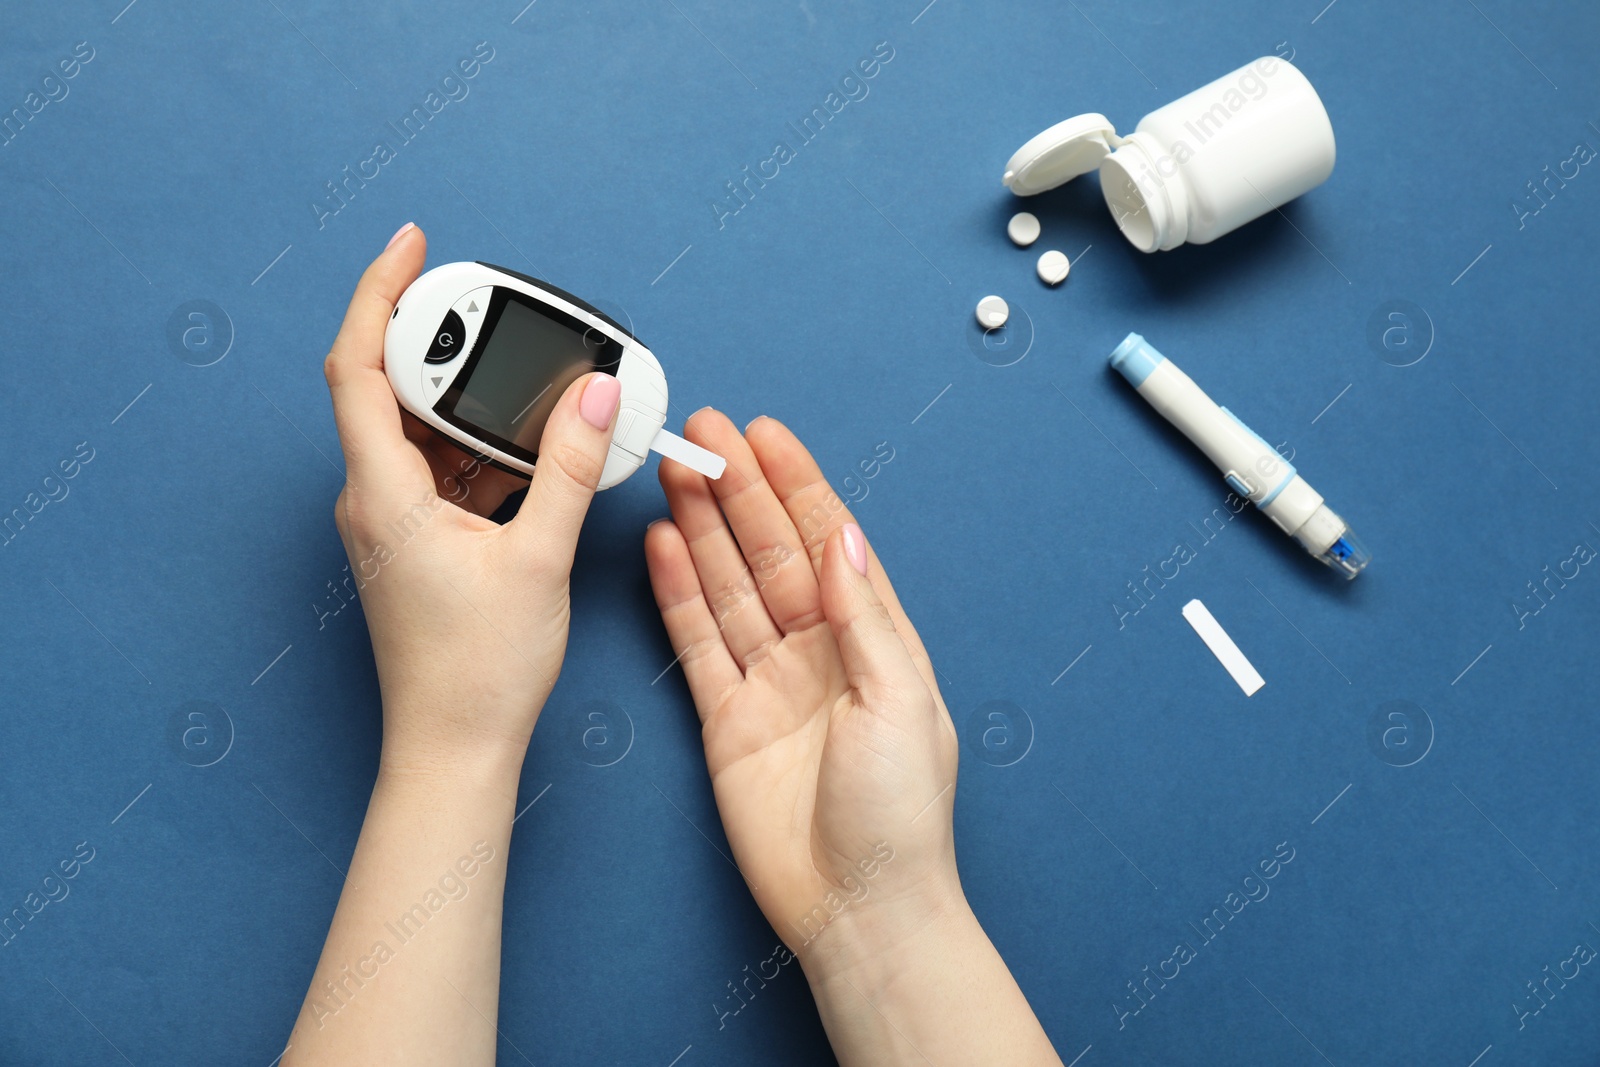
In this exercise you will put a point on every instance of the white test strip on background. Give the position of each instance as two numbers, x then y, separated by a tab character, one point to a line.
689	454
1222	646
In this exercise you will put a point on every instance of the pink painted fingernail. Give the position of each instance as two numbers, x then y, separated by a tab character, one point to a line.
399	234
855	547
599	401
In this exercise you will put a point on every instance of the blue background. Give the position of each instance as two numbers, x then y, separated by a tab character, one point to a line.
189	560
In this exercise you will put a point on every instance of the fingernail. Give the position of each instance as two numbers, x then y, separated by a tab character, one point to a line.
855	547
398	234
752	422
599	401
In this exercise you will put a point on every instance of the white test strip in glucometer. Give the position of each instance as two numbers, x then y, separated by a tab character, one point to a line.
1222	646
689	454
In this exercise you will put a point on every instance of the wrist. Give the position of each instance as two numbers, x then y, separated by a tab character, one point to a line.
897	986
456	737
413	763
868	946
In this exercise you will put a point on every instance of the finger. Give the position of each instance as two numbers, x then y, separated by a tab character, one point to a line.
572	455
817	511
376	452
463	479
456	470
768	539
729	588
876	661
707	664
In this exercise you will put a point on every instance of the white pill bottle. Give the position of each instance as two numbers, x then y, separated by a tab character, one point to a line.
1201	166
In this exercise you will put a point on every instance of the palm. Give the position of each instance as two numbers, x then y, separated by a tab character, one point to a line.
430	551
804	795
808	774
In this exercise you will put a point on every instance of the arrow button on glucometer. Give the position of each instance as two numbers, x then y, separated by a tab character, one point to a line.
474	302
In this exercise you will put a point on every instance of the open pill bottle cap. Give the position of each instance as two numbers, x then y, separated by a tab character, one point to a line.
1067	150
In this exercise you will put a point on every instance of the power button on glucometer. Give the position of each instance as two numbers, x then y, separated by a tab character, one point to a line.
447	342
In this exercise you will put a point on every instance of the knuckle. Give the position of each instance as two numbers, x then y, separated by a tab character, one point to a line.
869	619
760	652
359	519
333	368
769	562
818	522
732	598
577	466
341	520
855	626
698	650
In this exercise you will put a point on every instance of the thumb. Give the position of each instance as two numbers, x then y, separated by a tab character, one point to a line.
572	455
876	662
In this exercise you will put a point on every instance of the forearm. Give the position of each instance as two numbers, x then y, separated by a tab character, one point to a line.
410	972
926	992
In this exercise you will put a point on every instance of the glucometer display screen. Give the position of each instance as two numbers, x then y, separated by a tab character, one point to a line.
526	357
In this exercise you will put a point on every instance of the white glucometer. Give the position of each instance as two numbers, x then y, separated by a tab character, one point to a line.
481	354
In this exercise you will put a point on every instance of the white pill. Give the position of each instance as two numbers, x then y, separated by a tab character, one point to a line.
1023	228
992	313
1053	267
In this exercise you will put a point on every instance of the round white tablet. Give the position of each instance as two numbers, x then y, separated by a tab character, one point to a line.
1053	267
1023	228
992	313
